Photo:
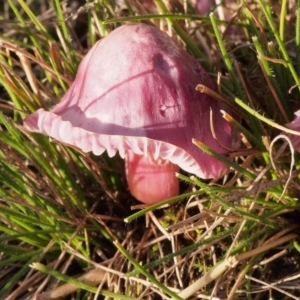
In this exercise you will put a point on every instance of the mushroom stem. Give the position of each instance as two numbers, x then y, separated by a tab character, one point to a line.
151	180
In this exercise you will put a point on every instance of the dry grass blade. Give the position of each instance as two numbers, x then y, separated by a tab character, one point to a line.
62	210
93	277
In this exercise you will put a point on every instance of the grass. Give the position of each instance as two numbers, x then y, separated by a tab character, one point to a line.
67	229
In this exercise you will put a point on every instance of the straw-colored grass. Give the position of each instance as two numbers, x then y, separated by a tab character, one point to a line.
68	225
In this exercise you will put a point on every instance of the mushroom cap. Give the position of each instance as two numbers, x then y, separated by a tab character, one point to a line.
135	90
204	6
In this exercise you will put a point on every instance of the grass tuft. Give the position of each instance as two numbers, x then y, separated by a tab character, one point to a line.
66	223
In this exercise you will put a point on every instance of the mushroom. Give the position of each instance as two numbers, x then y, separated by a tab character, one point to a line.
134	92
203	7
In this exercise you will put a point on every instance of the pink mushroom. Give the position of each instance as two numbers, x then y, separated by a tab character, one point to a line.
204	6
134	92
